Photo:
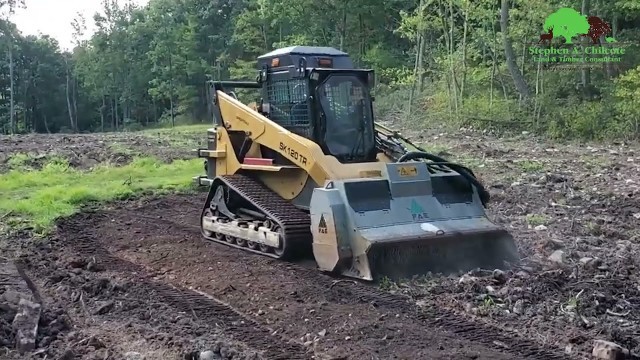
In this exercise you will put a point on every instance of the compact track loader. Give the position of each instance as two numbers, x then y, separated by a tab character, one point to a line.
307	168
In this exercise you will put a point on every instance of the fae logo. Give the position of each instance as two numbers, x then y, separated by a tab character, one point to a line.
578	39
417	212
322	226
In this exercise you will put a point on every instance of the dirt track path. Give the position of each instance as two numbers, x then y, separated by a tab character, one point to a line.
150	270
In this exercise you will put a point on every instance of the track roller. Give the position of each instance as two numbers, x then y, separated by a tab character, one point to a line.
242	213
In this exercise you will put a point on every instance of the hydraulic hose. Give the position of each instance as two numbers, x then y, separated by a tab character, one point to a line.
465	172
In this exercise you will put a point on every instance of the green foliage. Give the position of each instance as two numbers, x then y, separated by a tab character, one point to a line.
537	219
148	66
627	92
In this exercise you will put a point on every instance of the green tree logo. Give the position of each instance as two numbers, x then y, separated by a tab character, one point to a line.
568	23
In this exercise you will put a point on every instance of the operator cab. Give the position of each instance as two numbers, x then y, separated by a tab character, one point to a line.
315	92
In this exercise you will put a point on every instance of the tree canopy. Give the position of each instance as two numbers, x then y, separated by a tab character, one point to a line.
459	62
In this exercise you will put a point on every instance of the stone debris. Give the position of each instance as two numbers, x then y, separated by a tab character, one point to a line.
25	324
607	350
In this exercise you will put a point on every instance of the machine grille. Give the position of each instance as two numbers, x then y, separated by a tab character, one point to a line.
289	108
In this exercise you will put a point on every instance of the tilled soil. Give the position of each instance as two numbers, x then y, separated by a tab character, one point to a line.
84	151
136	279
146	262
574	211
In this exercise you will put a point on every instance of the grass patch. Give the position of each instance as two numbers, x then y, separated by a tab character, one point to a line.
595	162
18	160
199	129
537	219
35	199
119	148
531	166
26	161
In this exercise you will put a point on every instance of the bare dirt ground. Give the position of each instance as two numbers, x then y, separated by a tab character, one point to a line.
84	151
574	211
133	280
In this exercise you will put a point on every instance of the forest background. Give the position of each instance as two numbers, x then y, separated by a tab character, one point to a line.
452	63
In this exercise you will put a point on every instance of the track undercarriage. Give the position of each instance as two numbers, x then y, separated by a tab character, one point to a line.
242	213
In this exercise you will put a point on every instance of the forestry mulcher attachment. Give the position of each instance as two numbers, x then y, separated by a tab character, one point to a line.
306	167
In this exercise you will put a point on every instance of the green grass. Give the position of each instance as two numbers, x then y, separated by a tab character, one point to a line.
36	199
121	149
18	160
531	166
25	161
537	219
198	129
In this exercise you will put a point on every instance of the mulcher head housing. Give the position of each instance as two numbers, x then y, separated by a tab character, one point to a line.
409	223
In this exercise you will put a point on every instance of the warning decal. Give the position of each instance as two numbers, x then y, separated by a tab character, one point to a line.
322	226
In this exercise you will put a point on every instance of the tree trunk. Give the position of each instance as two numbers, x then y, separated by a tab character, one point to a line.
155	111
510	57
362	40
494	55
102	110
614	32
413	87
12	110
173	115
73	127
464	54
416	66
343	26
113	117
115	112
454	76
25	102
34	117
445	30
46	126
586	72
607	66
75	101
423	40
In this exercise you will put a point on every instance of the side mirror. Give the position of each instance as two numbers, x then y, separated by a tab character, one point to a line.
371	80
302	67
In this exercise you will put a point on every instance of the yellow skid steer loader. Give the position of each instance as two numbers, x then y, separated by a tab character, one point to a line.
307	168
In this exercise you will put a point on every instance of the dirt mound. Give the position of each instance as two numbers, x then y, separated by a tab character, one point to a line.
84	151
22	313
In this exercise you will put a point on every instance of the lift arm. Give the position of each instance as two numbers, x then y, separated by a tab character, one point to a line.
300	151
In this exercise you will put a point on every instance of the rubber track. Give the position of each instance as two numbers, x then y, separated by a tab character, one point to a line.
294	222
204	308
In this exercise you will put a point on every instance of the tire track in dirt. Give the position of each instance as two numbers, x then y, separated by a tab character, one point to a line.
430	315
199	305
165	216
